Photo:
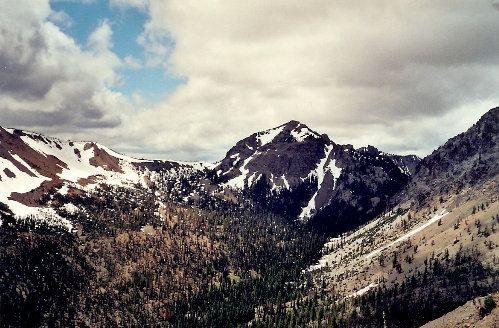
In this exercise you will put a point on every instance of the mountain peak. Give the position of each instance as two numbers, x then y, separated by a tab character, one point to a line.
293	124
300	131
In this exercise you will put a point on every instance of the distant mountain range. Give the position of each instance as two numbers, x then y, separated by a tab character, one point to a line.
290	169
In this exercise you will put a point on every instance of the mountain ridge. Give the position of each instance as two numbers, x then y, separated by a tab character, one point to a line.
291	170
289	157
34	166
292	156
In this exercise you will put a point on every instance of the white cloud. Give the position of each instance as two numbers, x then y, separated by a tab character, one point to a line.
157	43
132	62
125	4
100	39
401	75
49	83
86	2
389	73
60	17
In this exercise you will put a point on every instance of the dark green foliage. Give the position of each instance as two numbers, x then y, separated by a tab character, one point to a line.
249	271
227	304
42	279
286	203
488	305
419	298
202	268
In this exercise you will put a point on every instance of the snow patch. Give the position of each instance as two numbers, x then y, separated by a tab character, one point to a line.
238	182
22	183
303	133
274	186
286	184
120	156
250	179
409	234
267	136
42	214
64	190
335	171
70	208
196	166
363	290
320	173
236	158
323	261
23	163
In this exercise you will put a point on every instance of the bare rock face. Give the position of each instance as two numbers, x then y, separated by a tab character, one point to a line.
102	159
407	163
366	183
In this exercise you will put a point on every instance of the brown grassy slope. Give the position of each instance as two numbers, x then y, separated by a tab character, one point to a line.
468	316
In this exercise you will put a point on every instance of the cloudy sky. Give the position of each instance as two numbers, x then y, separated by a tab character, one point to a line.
185	79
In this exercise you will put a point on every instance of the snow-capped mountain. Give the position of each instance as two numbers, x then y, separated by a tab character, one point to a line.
33	166
290	169
285	155
291	157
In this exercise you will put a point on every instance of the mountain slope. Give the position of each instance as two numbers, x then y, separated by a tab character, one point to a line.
463	161
285	155
34	166
290	170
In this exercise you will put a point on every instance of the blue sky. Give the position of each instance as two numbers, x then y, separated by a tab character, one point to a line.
150	82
